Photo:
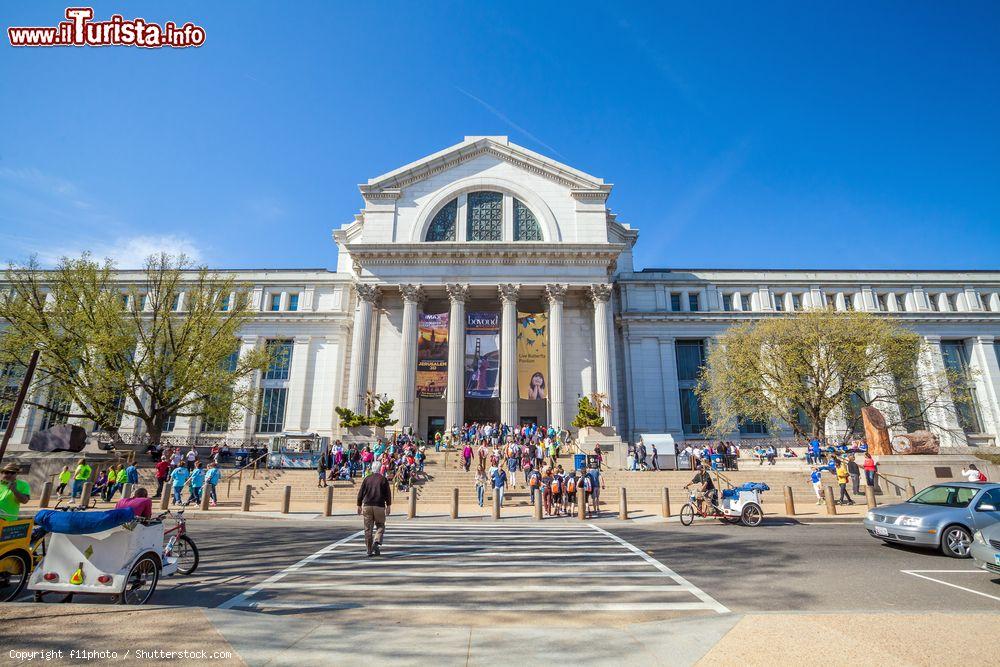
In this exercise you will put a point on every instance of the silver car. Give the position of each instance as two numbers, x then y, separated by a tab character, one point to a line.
943	516
986	547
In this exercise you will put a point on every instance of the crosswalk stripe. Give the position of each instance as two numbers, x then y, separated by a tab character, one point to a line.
476	606
501	564
440	588
508	554
485	574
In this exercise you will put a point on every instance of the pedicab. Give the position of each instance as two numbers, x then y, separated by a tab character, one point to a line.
738	504
17	557
111	553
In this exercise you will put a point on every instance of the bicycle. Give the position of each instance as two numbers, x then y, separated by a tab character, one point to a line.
178	544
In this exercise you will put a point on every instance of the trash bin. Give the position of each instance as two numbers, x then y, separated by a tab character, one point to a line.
579	461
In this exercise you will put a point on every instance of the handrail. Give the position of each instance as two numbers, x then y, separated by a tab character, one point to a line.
886	474
240	470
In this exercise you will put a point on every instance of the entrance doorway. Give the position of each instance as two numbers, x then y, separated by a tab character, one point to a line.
482	410
434	425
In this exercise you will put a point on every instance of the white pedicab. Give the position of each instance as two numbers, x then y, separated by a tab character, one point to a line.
125	562
740	504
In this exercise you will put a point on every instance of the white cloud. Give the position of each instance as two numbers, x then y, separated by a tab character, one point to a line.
131	253
48	216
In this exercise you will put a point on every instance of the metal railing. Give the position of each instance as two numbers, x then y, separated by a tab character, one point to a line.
238	474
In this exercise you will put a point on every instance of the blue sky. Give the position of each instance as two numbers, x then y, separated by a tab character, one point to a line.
844	135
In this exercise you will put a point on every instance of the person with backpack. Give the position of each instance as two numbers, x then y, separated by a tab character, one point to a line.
534	482
571	484
597	483
556	486
546	485
499	480
587	482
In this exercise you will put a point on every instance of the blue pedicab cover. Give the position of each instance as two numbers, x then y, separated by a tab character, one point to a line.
746	486
82	523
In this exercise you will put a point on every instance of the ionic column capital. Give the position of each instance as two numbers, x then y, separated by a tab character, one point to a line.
367	292
414	293
509	292
457	292
556	292
600	293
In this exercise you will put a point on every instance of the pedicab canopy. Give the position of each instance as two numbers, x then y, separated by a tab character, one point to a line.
83	523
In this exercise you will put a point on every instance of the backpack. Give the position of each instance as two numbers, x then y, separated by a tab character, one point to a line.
555	485
533	480
982	476
571	485
588	484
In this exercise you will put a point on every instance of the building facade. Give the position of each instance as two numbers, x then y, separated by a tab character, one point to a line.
489	233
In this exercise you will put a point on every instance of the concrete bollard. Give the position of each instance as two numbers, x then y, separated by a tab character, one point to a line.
127	490
496	504
622	503
538	505
206	497
665	503
85	496
581	504
286	499
46	495
165	498
789	502
411	511
870	497
454	503
328	507
910	491
831	506
247	494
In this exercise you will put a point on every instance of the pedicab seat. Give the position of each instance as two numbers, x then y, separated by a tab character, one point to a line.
83	523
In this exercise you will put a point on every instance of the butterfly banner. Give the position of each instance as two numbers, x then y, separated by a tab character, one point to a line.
432	355
533	356
482	354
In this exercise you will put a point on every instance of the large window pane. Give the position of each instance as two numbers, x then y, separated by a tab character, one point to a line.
485	216
752	427
443	225
271	418
526	227
690	358
281	359
956	360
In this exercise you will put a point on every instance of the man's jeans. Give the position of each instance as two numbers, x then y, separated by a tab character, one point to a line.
499	490
177	494
77	487
480	491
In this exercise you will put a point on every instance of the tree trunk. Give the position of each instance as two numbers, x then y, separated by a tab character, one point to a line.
876	433
918	442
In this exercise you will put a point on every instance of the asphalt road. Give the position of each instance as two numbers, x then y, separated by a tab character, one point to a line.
775	567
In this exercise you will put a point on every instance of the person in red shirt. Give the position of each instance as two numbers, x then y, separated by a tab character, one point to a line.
162	471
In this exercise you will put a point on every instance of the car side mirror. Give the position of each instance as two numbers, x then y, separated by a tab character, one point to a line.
987	507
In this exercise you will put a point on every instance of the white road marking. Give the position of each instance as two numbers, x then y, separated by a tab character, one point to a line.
916	573
237	599
700	594
441	588
487	574
477	606
575	564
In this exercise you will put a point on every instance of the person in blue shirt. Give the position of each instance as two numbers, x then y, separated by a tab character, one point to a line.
179	477
212	478
197	482
814	453
816	478
499	482
132	474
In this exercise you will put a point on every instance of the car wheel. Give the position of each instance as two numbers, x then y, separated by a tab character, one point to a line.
956	542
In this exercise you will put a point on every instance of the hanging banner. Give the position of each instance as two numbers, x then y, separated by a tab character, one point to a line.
482	355
432	355
533	356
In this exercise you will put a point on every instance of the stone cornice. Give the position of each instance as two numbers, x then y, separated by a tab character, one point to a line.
584	254
725	317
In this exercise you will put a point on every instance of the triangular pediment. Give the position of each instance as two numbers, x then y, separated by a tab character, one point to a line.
391	183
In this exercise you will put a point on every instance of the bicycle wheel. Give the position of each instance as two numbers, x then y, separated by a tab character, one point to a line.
187	555
14	571
687	514
141	582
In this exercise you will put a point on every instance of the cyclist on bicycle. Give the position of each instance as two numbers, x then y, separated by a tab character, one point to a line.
706	490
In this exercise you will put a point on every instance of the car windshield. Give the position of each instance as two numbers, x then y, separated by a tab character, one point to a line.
945	496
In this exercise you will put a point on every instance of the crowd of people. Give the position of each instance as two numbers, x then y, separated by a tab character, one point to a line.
399	458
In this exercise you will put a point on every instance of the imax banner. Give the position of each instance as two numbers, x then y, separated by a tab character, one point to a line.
432	355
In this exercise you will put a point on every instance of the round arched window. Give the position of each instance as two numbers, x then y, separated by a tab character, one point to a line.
484	219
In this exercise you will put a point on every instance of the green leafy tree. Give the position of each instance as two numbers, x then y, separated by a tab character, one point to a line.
154	344
378	412
801	368
589	412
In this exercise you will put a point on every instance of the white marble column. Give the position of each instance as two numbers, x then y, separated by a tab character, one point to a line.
368	296
456	356
557	400
413	295
987	380
241	424
508	353
935	394
299	378
601	295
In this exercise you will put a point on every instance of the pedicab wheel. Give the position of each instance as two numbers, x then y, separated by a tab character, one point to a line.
187	555
752	515
14	571
141	582
687	514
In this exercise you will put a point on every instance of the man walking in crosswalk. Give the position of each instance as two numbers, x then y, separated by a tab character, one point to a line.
374	503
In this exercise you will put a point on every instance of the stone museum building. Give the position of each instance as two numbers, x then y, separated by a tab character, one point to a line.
488	282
